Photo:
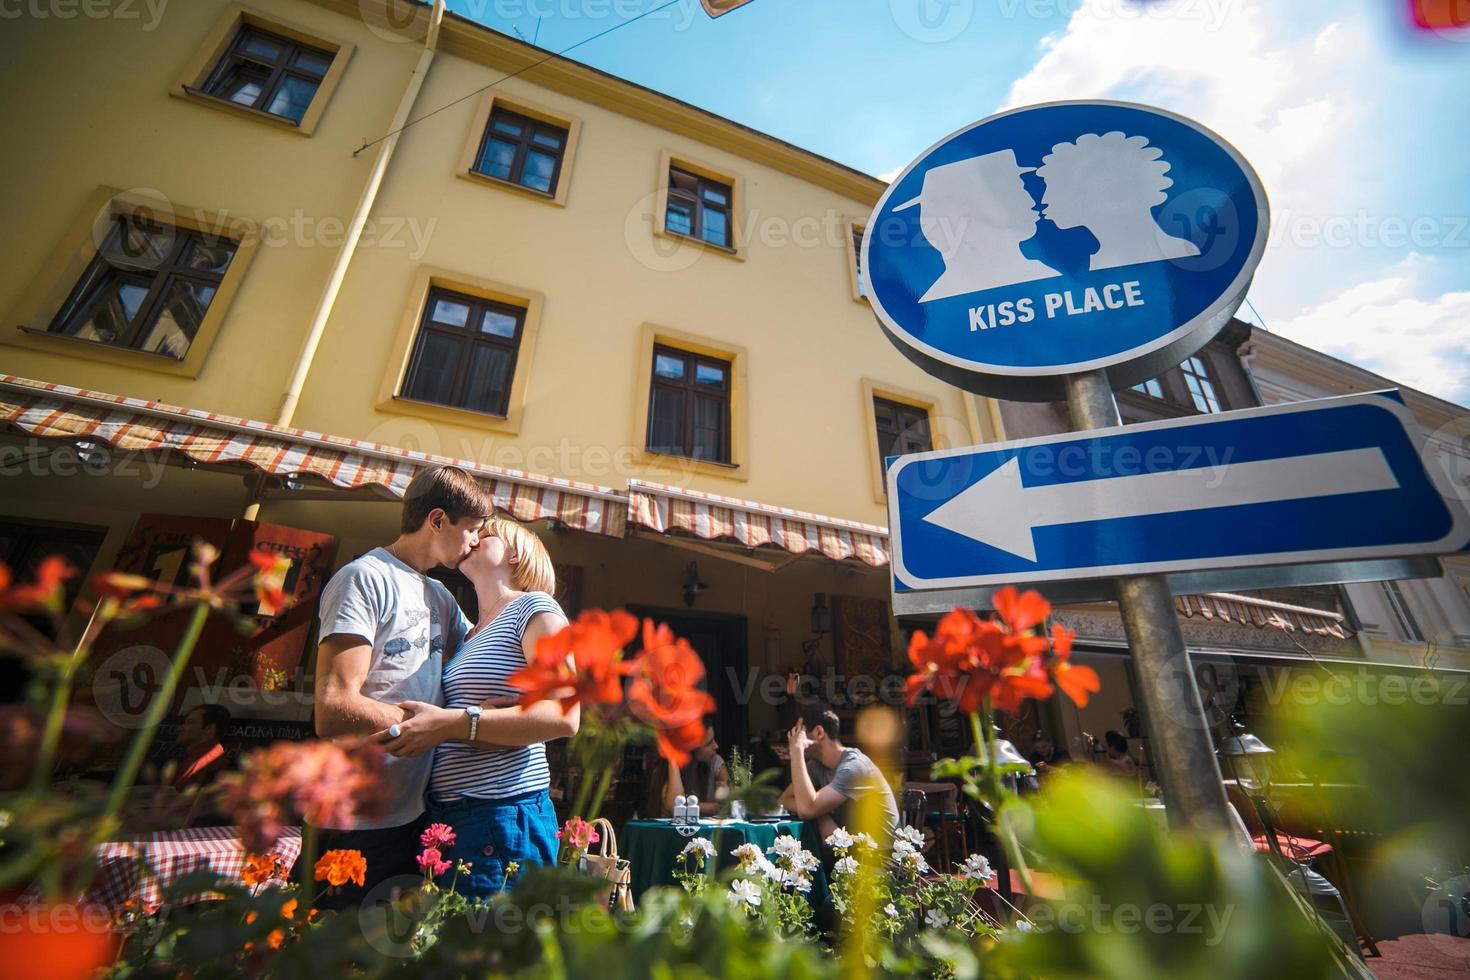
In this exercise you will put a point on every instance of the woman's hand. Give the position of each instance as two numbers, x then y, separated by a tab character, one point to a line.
424	726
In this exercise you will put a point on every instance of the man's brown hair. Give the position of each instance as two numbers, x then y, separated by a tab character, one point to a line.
448	488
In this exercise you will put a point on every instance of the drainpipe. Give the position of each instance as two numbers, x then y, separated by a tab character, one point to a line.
365	203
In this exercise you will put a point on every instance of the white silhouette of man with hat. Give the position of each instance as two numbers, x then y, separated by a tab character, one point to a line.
976	213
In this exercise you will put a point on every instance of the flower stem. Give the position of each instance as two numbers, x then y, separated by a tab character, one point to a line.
980	724
603	782
307	858
163	700
56	716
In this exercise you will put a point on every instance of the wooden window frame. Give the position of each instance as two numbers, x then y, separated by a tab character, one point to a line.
429	282
689	387
30	320
468	340
492	102
855	279
874	391
156	276
670	161
671	468
219	44
1209	389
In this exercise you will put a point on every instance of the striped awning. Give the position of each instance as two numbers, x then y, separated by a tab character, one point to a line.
1262	613
706	515
53	411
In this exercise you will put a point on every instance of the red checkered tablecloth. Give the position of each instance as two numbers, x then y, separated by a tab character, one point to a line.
142	868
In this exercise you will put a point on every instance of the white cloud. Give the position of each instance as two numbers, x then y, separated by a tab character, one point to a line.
887	178
1422	343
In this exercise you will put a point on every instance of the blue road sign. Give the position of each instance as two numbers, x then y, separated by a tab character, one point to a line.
1335	479
1063	238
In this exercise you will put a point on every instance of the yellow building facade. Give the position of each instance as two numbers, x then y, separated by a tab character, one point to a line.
592	277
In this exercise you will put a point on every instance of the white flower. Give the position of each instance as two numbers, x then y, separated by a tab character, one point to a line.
761	866
890	910
748	854
840	838
744	890
976	867
864	840
906	854
786	846
914	837
1024	925
701	845
845	866
935	919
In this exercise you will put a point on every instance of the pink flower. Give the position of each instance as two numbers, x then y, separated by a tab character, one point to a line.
432	861
324	783
439	835
578	834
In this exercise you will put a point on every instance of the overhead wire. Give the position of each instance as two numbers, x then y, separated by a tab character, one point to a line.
520	71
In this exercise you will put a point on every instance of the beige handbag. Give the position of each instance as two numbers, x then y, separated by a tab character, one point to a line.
618	896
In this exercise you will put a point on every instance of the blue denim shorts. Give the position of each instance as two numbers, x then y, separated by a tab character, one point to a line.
489	834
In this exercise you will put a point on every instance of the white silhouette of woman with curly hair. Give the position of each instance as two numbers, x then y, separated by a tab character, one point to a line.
1110	185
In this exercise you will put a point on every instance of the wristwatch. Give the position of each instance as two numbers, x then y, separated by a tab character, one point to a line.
474	712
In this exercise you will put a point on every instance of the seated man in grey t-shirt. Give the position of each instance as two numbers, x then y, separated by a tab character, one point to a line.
828	778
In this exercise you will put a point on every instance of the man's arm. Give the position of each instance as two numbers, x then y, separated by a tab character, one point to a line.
342	663
808	802
426	725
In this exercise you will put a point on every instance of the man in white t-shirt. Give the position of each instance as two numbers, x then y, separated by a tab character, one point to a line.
386	631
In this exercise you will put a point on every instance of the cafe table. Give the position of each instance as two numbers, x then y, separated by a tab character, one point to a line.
652	848
140	869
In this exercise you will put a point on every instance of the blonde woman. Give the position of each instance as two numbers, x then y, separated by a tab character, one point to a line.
490	779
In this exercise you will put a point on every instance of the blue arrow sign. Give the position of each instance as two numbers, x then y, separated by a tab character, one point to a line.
1330	480
1062	238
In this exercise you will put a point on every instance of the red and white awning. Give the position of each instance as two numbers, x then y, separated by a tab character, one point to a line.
705	515
1261	613
55	411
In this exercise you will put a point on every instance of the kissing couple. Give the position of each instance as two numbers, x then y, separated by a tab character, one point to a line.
399	661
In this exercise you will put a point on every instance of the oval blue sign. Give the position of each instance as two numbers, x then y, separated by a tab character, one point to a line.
1063	238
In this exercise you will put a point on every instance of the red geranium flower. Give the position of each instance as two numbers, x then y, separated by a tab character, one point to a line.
581	663
665	692
45	594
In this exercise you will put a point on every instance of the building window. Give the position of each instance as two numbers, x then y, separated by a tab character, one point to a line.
1152	387
465	352
699	207
1408	626
268	72
902	429
147	289
523	151
860	286
1201	388
689	406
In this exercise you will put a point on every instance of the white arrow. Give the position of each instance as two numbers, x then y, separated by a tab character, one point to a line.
1000	512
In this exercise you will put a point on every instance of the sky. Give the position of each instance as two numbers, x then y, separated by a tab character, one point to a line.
1357	124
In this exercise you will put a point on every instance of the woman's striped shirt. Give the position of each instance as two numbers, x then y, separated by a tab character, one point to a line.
477	673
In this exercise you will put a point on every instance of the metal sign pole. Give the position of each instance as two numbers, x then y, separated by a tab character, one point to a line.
1180	736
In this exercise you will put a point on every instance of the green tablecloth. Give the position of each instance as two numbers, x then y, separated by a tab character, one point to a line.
651	847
